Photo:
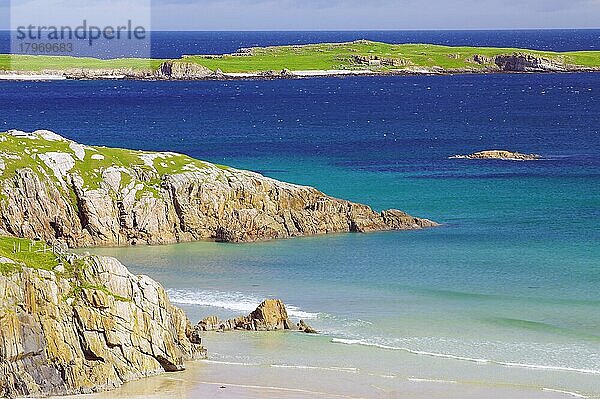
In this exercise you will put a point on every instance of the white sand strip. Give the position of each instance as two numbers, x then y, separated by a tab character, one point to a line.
15	76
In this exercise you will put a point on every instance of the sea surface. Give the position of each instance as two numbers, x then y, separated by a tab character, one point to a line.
503	300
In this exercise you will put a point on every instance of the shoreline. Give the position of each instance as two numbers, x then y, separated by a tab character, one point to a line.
26	76
208	378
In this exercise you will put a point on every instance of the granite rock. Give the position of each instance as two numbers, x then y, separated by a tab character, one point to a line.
63	197
90	327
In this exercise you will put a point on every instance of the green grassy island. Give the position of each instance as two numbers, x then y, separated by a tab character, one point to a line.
358	57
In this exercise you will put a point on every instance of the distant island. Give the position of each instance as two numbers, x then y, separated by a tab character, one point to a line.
361	57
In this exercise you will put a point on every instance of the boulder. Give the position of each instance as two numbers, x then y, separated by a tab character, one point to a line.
270	315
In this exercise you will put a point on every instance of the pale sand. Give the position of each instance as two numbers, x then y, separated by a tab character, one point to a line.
16	76
222	380
308	73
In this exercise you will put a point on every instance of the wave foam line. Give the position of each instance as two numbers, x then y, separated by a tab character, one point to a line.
271	388
228	363
353	370
413	379
574	394
464	358
235	301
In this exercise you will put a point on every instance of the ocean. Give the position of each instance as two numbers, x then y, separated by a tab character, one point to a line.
502	300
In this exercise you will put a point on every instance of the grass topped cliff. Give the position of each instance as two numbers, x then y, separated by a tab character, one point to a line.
54	188
360	55
50	155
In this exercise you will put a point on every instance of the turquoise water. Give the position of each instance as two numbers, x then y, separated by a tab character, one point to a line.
505	292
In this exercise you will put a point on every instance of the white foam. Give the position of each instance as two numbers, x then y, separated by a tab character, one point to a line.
414	379
235	301
353	370
465	358
574	394
229	363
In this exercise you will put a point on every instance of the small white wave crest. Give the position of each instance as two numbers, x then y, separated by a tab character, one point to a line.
235	301
465	358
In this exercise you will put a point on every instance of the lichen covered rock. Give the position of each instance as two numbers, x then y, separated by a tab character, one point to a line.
86	326
54	188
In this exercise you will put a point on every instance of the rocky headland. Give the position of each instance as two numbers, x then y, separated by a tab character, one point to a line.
57	190
499	154
79	324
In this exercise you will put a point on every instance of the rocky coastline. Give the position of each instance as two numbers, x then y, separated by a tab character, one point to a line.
76	324
57	190
84	324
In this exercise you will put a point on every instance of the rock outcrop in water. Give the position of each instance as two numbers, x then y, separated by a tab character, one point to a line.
85	325
56	189
499	154
270	315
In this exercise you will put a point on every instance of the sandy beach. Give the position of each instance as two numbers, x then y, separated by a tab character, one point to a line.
219	380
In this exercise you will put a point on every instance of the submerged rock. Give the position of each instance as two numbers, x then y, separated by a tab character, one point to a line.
270	315
87	327
499	154
89	196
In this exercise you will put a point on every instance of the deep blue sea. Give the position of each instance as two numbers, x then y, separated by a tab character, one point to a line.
505	295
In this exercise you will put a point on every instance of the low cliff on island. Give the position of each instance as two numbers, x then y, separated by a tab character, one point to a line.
52	188
79	324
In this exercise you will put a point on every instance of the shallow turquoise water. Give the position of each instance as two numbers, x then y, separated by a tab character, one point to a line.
505	292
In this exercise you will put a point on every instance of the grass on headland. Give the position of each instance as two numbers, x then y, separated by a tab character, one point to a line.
38	255
323	56
38	63
32	254
22	152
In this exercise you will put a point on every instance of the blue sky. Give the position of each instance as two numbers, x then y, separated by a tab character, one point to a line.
375	14
356	14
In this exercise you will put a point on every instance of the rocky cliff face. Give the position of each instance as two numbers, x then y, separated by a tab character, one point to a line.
85	325
521	62
53	188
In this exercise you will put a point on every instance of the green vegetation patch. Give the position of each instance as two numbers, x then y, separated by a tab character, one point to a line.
32	254
130	169
323	56
39	63
355	55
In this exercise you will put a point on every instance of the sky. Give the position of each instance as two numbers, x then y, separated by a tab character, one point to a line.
340	14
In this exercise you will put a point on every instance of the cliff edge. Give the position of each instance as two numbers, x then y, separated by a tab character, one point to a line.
79	324
52	188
